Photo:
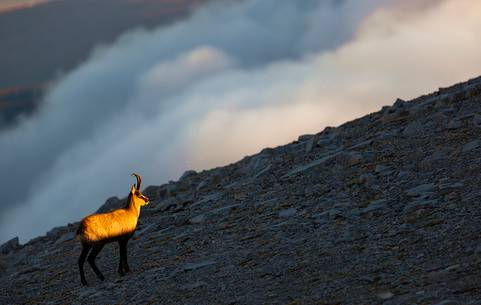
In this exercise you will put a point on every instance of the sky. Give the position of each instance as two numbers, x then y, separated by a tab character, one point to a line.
225	83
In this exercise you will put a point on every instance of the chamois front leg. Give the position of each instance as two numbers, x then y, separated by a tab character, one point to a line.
123	265
91	259
81	261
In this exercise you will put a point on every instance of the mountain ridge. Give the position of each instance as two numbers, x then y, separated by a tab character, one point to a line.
383	209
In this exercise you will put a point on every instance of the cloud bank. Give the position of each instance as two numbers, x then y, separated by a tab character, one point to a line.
234	77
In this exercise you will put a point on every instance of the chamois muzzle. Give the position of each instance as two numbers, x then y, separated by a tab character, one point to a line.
139	180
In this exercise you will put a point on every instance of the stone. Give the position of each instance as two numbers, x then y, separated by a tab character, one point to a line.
421	189
287	212
111	204
448	302
380	168
195	266
187	174
354	158
305	137
454	124
477	120
310	144
470	146
65	237
375	205
413	129
399	103
384	295
192	286
201	186
10	246
197	219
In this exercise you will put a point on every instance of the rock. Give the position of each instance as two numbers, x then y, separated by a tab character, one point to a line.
470	146
192	286
421	189
477	120
197	219
366	178
187	174
200	186
65	237
450	185
195	266
384	295
354	158
413	129
225	210
454	124
256	163
313	190
111	204
380	168
374	205
399	103
287	212
305	137
10	246
310	144
448	302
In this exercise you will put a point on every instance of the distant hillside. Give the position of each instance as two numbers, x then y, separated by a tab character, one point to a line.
38	43
384	209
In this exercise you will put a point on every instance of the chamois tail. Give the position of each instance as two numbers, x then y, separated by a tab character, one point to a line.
79	232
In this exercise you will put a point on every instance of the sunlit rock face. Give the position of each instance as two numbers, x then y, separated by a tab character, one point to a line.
381	209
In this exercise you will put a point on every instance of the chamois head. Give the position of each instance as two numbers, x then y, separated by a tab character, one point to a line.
136	194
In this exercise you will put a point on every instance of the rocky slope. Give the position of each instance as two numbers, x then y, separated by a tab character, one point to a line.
384	209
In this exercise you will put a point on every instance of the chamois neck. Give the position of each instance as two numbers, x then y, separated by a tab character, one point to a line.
133	206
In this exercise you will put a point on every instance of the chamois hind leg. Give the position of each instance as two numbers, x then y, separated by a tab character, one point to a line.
91	259
81	261
121	258
123	265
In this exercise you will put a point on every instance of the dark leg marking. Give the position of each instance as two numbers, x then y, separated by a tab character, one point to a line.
91	259
123	265
126	265
121	259
81	261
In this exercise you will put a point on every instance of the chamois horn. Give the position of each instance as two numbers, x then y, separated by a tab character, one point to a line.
139	180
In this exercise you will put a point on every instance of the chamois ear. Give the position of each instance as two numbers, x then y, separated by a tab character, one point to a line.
132	189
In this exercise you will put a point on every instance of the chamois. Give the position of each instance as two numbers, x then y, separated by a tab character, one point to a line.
119	225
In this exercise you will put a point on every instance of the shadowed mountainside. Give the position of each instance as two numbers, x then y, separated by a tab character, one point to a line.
35	49
384	209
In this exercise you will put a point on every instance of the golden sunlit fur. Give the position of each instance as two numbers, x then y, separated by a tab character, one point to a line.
119	225
106	226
